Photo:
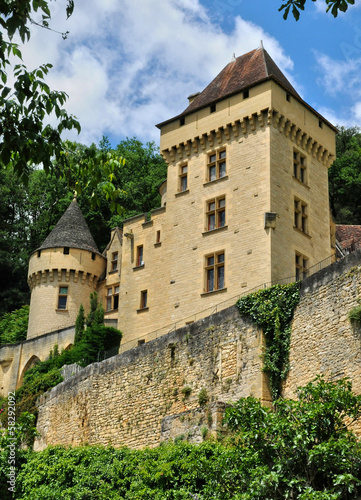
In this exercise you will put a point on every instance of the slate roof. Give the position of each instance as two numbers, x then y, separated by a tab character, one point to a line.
349	236
244	72
71	231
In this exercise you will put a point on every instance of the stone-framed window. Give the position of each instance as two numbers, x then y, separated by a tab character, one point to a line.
183	177
299	167
301	266
216	165
112	298
214	271
216	213
63	298
114	262
300	215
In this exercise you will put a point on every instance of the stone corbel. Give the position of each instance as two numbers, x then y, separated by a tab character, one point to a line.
211	139
310	144
187	148
67	275
227	132
304	141
293	133
276	119
202	142
260	119
43	275
180	152
235	129
172	154
282	123
219	136
51	275
59	274
252	121
320	152
288	128
269	116
83	280
299	136
195	145
76	276
244	126
315	149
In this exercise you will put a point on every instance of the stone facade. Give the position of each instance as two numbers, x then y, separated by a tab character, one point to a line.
151	393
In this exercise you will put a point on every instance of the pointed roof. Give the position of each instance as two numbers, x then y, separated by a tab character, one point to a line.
241	73
71	231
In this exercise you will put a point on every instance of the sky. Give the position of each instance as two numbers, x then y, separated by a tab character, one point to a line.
128	65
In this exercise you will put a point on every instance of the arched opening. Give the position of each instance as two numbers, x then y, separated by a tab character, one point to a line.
32	362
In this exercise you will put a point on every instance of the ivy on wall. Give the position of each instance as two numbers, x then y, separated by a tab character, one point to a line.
272	310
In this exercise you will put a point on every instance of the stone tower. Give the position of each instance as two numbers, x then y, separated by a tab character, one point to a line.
63	272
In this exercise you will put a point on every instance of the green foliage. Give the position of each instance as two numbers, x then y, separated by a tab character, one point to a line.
345	177
79	325
25	138
14	326
14	452
295	6
272	309
304	449
186	391
355	314
301	450
203	397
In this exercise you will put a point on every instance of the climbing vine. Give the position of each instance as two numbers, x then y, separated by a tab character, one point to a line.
272	309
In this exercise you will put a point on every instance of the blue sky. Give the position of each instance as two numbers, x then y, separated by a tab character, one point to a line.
127	65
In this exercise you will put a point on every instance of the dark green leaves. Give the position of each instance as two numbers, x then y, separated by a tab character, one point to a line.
272	309
297	5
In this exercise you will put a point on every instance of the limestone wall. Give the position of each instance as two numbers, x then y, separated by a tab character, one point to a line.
323	339
123	400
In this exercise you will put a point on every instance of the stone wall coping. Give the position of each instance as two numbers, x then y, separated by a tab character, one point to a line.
331	272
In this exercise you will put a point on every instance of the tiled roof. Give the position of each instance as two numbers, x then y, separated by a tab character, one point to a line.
244	72
349	236
71	231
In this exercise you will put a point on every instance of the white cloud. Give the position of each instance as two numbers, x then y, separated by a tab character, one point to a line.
337	75
129	65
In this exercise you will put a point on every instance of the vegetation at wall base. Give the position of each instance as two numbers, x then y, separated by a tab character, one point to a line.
303	449
272	310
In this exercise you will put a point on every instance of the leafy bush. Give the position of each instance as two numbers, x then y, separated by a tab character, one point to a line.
14	326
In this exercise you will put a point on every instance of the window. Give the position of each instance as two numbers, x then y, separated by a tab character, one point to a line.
246	94
300	215
212	108
63	297
144	299
301	266
216	167
299	167
112	298
320	123
93	255
114	261
157	238
216	213
182	121
66	251
288	97
214	272
109	299
39	253
183	178
140	261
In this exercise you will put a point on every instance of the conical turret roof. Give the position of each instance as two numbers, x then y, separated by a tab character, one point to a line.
71	231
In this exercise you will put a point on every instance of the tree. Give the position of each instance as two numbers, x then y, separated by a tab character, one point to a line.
25	139
335	6
14	326
345	177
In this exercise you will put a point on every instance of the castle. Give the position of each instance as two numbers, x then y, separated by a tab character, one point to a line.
245	203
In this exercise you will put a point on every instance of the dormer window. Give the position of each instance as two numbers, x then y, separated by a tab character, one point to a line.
182	121
212	108
114	261
246	94
66	251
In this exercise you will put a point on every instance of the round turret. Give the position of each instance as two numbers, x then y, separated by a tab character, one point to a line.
63	272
